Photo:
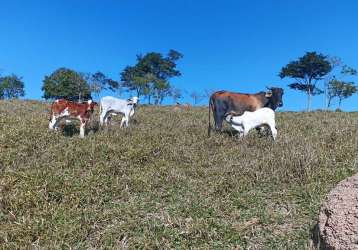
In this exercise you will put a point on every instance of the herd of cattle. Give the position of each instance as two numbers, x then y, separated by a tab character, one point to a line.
242	111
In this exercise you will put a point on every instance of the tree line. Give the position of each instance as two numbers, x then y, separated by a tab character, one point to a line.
313	74
313	68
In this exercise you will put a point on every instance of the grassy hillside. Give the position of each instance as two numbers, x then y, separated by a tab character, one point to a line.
163	183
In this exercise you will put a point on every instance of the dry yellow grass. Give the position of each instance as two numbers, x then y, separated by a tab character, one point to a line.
164	184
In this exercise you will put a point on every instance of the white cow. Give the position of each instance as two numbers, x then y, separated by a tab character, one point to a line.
112	106
249	120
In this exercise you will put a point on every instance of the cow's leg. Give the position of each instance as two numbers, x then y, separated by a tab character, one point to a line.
245	131
102	117
82	127
240	130
127	115
218	118
273	130
127	122
131	113
241	133
123	121
52	123
107	119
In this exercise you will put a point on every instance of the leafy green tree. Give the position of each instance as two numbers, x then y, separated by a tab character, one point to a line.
341	90
307	71
160	90
150	76
135	80
335	62
66	83
11	87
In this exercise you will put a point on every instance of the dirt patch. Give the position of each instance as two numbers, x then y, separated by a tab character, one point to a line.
338	219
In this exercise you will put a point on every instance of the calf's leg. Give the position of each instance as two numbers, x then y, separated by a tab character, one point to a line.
102	118
52	124
273	130
123	121
82	128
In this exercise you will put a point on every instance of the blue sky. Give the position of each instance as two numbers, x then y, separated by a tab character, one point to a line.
237	45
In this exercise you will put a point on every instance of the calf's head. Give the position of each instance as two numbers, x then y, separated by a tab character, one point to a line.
133	101
90	105
229	115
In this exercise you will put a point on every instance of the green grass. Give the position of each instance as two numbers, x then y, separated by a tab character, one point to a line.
164	184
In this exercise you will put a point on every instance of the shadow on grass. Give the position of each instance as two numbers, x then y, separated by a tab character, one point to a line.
72	129
261	133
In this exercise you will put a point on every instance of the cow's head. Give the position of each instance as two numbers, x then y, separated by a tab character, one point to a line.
90	105
133	101
274	96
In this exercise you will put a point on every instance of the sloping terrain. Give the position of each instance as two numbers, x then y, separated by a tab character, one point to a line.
163	183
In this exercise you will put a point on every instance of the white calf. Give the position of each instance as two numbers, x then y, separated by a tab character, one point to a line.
112	106
249	120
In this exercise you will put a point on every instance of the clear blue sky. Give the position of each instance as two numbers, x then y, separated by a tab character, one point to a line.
237	45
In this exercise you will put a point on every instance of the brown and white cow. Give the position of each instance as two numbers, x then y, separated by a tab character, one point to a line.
62	108
185	106
223	102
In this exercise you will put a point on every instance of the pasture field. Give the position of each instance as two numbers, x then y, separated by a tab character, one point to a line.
164	184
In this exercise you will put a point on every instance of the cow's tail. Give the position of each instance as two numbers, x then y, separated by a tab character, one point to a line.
209	109
100	107
100	112
50	111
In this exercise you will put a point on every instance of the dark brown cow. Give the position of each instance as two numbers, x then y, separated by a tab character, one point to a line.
71	110
223	102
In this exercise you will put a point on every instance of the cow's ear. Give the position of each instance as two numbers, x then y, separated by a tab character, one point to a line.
268	94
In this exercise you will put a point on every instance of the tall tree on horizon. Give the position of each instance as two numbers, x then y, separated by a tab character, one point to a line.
196	96
341	89
176	94
150	75
99	82
66	83
11	87
335	62
307	71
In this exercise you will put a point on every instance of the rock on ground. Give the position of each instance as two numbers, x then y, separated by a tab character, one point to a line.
338	219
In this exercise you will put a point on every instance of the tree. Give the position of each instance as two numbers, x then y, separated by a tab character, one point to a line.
307	71
335	62
196	97
150	76
11	87
176	94
135	80
99	82
341	90
66	83
208	93
160	89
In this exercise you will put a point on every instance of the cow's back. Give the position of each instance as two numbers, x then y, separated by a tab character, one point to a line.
58	106
238	102
112	102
